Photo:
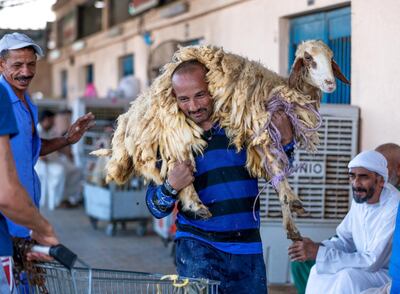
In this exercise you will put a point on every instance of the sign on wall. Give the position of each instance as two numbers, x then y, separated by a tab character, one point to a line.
68	29
138	6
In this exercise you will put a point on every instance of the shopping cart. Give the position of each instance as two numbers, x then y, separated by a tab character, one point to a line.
64	277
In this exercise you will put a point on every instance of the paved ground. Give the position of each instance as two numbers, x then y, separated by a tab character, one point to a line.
124	251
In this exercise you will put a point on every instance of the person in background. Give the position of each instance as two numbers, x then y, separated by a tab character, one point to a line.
18	57
90	91
301	270
15	203
60	178
391	152
357	258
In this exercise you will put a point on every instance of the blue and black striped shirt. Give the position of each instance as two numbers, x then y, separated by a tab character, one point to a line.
227	189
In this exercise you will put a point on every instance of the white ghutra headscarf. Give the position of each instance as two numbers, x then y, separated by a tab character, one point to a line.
372	161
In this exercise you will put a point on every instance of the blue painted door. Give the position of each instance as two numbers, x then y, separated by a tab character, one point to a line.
127	65
334	28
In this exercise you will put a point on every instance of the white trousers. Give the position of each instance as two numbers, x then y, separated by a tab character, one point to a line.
346	281
60	180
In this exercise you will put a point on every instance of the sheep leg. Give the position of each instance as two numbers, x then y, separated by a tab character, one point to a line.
192	205
288	223
285	192
287	206
288	200
281	185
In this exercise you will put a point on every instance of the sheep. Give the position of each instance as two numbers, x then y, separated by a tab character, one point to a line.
245	96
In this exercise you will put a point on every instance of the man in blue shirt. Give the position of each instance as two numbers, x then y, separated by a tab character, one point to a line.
226	247
14	201
18	56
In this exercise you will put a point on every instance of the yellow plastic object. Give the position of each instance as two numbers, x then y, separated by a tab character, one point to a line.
174	279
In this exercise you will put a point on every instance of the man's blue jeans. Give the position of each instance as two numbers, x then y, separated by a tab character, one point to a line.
238	273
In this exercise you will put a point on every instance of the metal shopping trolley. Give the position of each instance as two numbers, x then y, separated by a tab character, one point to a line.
64	277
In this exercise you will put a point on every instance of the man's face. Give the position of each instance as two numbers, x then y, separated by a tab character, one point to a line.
19	67
191	92
366	185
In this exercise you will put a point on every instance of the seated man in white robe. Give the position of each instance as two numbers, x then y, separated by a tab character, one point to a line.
357	258
61	179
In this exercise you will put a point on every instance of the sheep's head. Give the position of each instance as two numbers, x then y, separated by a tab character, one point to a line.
315	66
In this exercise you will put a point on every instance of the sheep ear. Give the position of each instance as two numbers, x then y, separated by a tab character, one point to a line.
337	73
295	73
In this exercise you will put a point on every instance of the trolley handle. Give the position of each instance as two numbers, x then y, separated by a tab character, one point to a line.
59	252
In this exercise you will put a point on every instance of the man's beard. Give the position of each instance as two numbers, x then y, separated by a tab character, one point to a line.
369	194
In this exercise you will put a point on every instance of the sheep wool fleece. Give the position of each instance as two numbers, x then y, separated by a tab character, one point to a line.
154	127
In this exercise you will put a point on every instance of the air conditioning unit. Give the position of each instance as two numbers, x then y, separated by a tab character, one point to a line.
322	184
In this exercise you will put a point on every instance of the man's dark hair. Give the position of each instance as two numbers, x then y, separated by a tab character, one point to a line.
46	114
188	66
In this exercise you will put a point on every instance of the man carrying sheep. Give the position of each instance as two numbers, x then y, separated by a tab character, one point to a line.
357	258
227	246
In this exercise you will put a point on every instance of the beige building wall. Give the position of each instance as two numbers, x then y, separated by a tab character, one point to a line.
376	70
42	81
257	29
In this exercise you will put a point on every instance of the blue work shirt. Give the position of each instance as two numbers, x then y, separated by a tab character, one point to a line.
8	127
26	149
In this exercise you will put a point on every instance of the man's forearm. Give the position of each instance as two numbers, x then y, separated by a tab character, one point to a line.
51	145
14	200
19	208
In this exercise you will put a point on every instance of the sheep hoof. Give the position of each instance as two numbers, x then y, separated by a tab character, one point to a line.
294	236
203	213
197	212
297	207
